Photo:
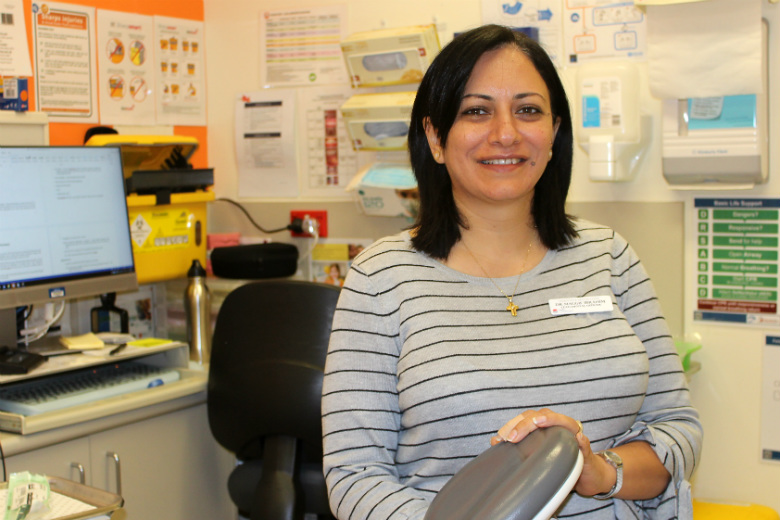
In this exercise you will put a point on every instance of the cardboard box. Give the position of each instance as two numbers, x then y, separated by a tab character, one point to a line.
15	95
386	189
378	121
390	56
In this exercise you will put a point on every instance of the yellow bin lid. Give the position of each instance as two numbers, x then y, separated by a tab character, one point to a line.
146	152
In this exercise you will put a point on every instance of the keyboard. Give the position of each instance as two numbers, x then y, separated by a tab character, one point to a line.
77	387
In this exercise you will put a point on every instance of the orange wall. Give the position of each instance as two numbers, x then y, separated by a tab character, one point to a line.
73	133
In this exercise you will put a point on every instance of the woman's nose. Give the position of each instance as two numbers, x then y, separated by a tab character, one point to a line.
504	129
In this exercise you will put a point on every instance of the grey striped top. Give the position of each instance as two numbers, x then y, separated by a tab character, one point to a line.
425	364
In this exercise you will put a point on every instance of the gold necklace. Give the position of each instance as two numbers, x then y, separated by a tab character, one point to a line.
512	307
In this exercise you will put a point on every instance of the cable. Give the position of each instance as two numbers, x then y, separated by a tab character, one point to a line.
316	237
2	456
39	331
294	226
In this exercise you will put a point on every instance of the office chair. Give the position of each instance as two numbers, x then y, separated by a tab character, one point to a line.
264	389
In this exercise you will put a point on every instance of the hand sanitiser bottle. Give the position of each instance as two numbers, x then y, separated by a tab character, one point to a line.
197	305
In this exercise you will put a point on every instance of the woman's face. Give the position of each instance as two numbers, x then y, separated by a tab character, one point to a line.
500	142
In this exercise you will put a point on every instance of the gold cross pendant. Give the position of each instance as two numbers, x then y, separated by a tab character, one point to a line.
512	308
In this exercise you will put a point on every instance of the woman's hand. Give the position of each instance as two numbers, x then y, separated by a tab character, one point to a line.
597	475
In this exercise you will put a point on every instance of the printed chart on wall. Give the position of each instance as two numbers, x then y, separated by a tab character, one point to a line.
126	61
598	29
737	261
329	161
181	78
770	400
540	19
301	46
65	71
265	144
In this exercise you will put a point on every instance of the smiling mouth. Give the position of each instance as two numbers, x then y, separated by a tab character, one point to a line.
503	161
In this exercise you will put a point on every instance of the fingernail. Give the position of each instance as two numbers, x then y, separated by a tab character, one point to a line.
539	420
513	435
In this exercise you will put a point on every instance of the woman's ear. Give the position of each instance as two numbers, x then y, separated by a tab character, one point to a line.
433	141
556	125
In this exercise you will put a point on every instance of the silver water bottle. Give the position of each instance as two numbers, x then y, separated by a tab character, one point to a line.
197	306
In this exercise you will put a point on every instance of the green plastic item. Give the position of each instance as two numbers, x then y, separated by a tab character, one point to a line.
684	349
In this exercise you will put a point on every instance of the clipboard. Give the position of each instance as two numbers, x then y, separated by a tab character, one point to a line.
73	501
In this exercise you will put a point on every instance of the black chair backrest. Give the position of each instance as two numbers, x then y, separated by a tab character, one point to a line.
267	359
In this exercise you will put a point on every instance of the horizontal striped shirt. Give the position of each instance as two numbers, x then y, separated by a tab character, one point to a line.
425	364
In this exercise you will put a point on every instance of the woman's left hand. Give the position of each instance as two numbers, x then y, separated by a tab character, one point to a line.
597	476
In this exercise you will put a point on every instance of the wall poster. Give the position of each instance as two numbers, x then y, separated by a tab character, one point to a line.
126	60
770	400
737	261
65	70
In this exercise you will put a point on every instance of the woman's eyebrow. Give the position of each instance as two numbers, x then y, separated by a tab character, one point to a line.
486	97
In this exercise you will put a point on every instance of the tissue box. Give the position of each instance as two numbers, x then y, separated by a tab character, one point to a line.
390	56
378	121
14	95
386	189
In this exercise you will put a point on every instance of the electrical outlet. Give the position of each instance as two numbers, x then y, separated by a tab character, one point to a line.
318	215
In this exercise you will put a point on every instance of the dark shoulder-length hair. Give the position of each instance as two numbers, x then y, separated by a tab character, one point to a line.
437	227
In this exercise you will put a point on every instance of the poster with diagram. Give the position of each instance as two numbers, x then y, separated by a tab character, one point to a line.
540	19
181	74
603	29
126	65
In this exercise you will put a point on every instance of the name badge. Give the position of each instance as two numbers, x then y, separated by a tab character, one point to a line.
580	305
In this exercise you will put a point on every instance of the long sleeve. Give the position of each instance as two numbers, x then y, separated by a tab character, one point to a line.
360	410
666	420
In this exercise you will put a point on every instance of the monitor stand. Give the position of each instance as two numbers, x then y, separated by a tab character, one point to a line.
8	327
49	344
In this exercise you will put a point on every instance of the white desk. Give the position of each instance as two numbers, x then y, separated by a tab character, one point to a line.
161	454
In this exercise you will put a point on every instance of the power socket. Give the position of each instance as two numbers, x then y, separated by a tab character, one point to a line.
320	216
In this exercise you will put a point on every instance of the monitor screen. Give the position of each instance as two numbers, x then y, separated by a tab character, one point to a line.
64	230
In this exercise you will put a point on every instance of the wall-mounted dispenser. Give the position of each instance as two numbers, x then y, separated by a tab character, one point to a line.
390	56
718	142
378	121
610	128
715	143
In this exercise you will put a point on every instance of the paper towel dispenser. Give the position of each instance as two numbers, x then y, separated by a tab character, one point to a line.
718	142
714	143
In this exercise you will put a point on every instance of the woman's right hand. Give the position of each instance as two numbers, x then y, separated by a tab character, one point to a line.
597	475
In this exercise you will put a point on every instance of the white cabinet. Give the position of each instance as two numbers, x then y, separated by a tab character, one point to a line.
59	460
169	466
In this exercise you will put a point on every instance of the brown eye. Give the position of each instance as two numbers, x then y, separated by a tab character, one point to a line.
530	113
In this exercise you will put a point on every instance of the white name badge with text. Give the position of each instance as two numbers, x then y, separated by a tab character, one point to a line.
584	305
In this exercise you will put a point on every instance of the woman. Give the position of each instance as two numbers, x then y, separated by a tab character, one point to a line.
447	337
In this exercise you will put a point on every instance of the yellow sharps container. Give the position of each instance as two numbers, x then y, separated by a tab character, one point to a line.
166	202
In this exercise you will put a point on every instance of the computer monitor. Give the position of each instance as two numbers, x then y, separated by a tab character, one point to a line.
64	230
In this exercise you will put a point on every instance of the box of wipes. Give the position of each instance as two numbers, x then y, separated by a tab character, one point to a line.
390	56
386	189
378	121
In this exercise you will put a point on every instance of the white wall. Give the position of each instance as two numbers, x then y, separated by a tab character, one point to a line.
726	390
